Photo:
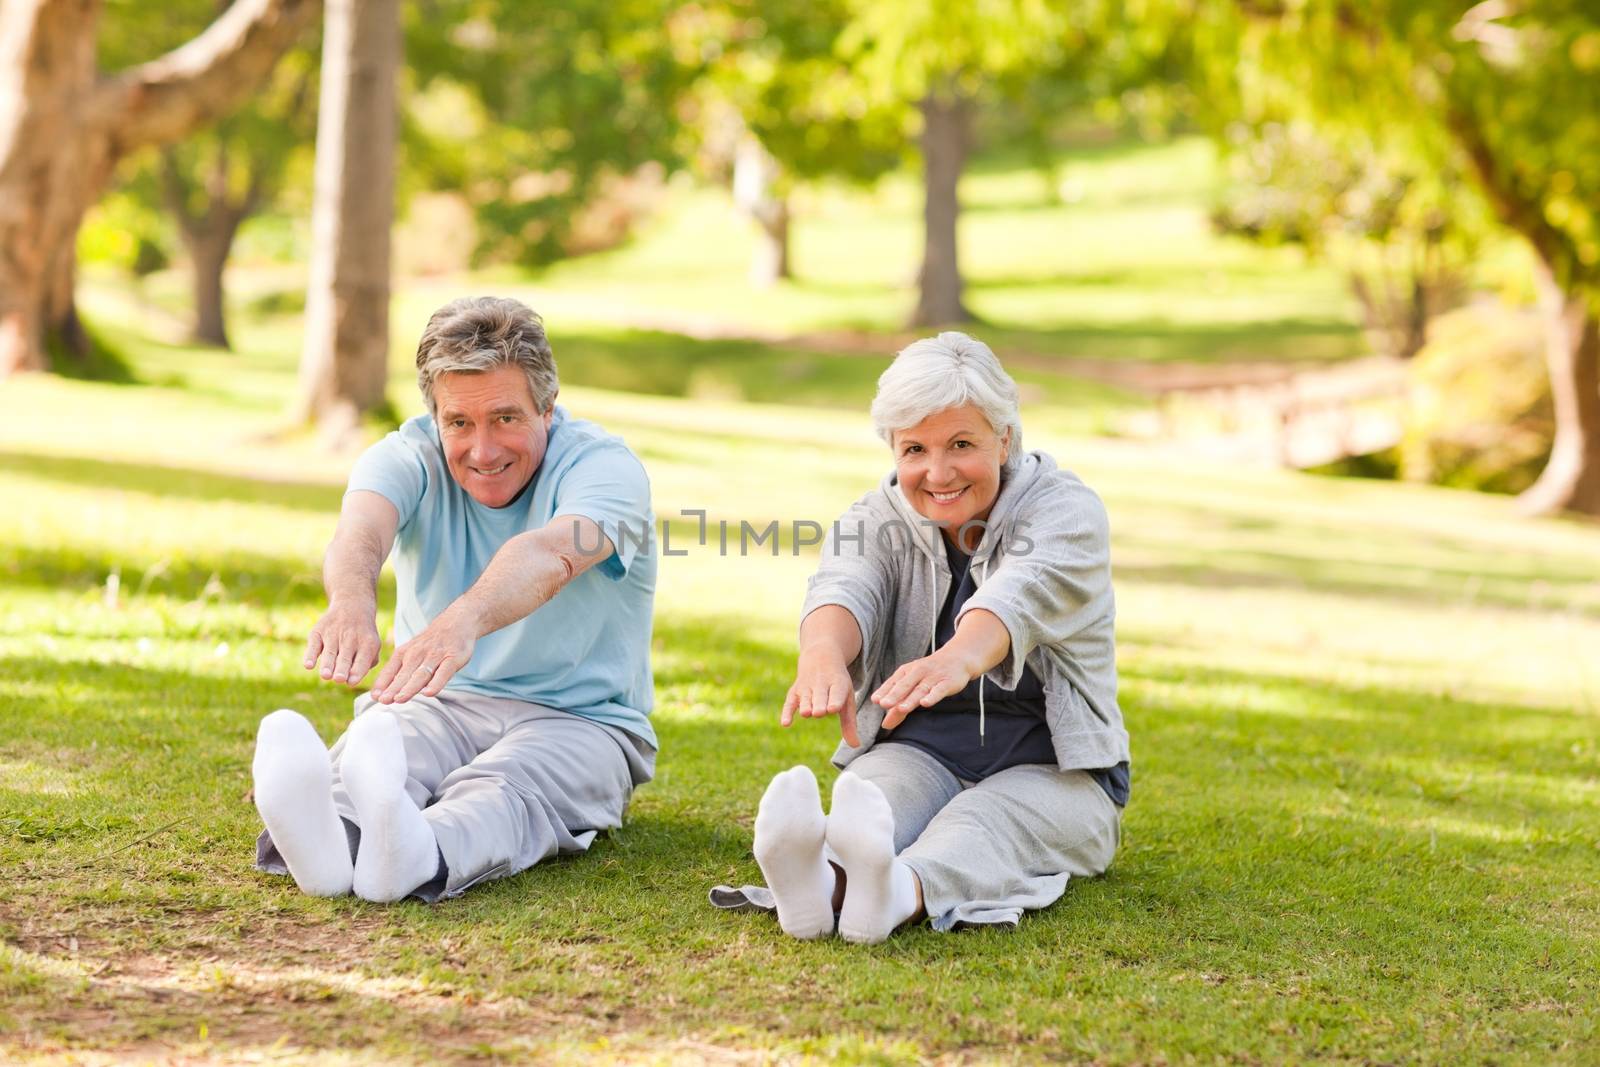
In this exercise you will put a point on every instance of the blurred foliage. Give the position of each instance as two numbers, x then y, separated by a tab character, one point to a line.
772	71
123	229
831	88
255	159
1481	414
1406	234
1505	92
529	109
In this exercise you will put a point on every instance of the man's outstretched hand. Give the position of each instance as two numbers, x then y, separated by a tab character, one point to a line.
344	643
426	662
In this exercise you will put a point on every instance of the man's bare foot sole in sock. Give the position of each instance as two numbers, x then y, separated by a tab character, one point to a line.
294	794
398	851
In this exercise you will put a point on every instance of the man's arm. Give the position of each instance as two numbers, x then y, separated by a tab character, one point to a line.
523	576
344	642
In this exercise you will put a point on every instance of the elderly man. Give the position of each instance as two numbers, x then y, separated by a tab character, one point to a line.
511	722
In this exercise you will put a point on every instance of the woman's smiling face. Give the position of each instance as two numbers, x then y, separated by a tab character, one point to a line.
949	466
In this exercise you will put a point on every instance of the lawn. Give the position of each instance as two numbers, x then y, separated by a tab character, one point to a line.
1364	721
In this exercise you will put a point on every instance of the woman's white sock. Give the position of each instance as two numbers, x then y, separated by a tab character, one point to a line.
790	828
398	851
880	892
294	794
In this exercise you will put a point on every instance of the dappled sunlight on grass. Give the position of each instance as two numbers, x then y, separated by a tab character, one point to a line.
1363	716
44	778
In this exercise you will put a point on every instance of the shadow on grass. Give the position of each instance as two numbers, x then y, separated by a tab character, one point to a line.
1154	340
93	358
180	482
1400	583
231	577
668	364
1278	844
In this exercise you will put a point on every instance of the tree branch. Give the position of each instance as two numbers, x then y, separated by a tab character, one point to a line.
1516	210
167	98
175	193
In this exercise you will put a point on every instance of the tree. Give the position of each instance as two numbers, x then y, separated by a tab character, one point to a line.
344	368
215	179
64	126
1401	231
1508	91
212	183
932	65
775	106
546	105
761	192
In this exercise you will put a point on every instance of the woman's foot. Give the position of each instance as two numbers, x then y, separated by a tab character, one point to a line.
790	829
294	794
398	851
880	891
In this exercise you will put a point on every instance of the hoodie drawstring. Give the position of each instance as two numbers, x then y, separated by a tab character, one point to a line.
983	572
933	637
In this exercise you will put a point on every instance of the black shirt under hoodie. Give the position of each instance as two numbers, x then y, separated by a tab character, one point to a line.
1015	728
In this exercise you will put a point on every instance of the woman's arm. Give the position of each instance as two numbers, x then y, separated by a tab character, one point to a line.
981	641
830	639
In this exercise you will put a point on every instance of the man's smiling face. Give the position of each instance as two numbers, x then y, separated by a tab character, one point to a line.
494	438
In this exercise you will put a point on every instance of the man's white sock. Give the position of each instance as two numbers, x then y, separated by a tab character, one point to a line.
398	851
880	892
790	828
294	794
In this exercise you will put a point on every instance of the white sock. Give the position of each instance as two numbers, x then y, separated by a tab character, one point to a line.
880	892
294	794
398	851
790	828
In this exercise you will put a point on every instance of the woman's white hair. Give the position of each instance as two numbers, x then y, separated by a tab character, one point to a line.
936	373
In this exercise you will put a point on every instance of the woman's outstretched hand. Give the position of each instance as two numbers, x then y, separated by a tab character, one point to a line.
921	683
822	687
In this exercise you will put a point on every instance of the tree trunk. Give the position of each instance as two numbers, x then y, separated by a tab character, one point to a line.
208	235
1571	480
946	140
755	179
208	255
48	178
770	264
63	129
61	322
344	369
1568	300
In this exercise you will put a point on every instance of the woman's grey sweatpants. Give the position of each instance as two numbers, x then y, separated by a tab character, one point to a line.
986	851
503	783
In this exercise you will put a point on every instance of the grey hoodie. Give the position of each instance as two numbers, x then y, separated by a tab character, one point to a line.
1043	568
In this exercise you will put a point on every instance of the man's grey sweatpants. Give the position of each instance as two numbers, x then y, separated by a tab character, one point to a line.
986	851
503	783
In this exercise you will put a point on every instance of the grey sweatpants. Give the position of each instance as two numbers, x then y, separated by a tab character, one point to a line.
986	851
503	783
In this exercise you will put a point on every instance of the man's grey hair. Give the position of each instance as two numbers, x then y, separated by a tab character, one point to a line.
480	333
936	373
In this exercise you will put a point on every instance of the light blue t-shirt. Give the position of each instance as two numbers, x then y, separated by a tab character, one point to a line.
587	650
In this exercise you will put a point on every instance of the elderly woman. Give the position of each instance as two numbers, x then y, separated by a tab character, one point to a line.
969	599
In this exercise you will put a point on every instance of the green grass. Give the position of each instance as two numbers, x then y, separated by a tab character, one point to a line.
1362	828
1364	721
